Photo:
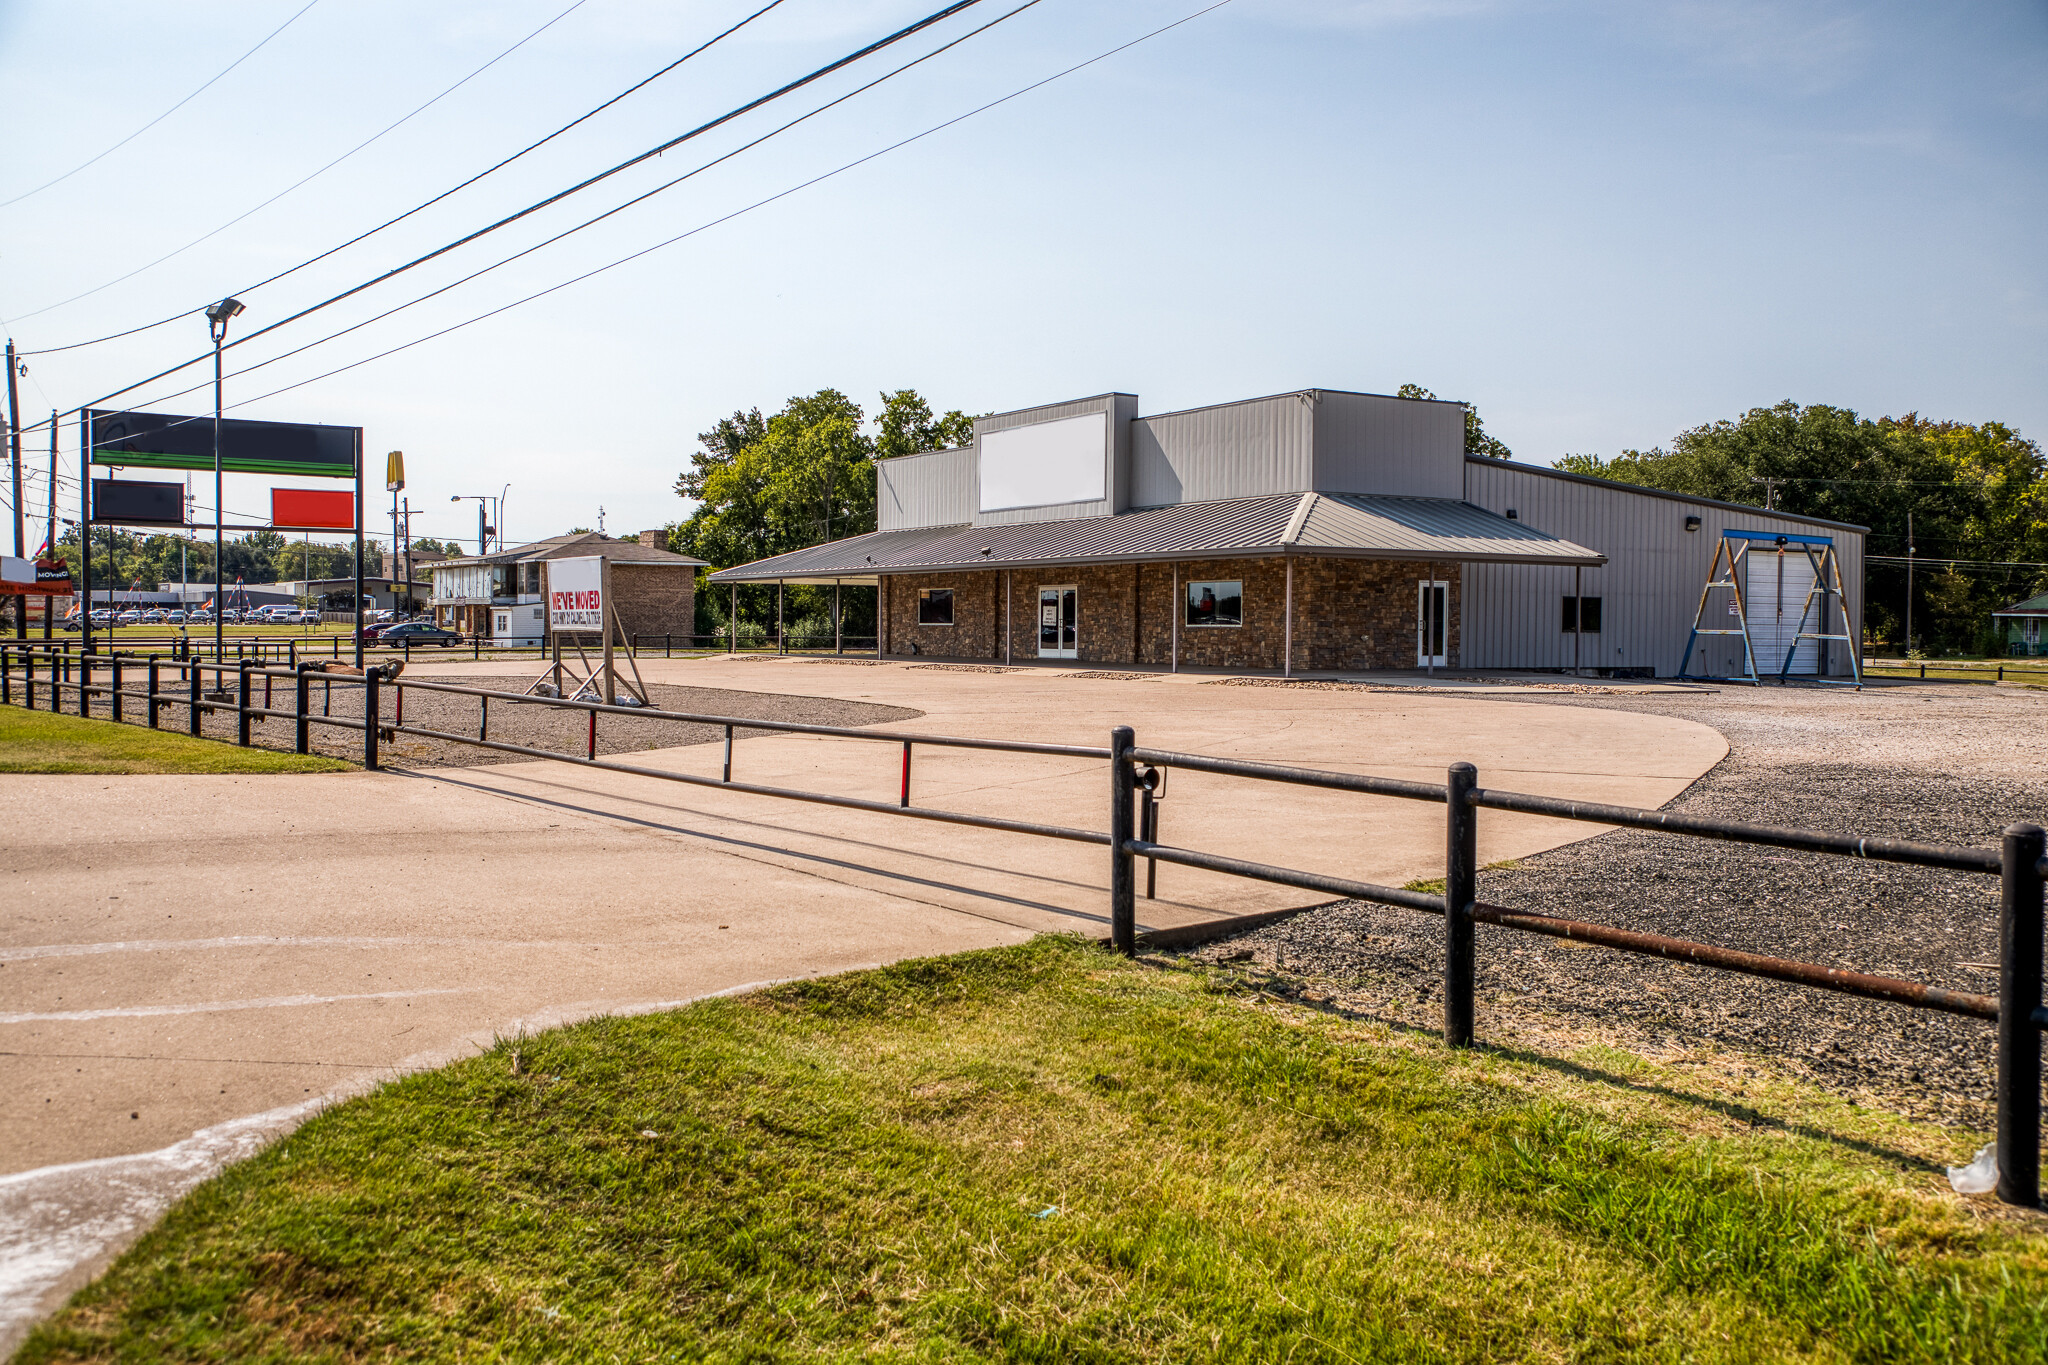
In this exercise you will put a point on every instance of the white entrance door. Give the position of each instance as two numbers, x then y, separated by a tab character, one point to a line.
1432	622
1058	623
1778	584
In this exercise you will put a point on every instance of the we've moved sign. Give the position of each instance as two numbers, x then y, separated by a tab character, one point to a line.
576	593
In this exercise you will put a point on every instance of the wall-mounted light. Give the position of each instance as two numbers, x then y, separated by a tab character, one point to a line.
1512	516
1692	523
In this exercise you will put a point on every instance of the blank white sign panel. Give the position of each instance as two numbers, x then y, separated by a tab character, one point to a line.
1046	463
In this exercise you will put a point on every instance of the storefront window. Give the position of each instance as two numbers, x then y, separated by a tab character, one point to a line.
935	606
1219	603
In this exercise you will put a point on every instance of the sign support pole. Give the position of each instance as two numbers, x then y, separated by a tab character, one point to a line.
605	623
359	548
85	534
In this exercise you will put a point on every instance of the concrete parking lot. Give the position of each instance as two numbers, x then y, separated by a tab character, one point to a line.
211	956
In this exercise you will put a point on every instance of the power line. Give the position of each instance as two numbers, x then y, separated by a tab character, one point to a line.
620	208
303	180
701	129
736	213
427	204
8	203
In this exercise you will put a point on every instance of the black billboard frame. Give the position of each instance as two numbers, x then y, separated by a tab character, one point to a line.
86	522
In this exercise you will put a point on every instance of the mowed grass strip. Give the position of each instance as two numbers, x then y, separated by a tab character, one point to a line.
1046	1153
43	742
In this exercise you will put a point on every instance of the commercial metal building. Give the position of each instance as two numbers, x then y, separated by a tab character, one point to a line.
1319	531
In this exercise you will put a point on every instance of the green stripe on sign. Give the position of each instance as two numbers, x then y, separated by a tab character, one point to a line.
145	460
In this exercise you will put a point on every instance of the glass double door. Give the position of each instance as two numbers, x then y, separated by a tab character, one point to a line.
1432	622
1059	623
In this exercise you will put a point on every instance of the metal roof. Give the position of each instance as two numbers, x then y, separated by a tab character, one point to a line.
2033	606
1328	524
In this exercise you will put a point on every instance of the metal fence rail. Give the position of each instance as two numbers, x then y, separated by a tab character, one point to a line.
1136	779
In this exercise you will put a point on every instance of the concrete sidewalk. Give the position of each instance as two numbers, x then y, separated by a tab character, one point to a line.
188	955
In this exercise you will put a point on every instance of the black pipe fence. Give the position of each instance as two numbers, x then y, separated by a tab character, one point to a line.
1137	777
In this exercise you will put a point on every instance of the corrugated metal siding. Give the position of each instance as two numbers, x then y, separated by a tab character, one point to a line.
1121	407
1395	447
935	488
1237	450
1649	589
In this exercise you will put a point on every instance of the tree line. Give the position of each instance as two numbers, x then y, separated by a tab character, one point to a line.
768	485
1956	491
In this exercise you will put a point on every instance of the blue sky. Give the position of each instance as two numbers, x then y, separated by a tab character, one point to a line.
1601	223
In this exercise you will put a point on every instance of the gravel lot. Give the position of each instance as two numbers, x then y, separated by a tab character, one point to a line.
538	727
1951	764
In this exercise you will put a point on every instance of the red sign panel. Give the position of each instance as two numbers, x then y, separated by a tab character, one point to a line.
313	507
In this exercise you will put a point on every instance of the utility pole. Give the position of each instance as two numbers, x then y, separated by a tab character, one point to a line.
14	448
1770	491
50	532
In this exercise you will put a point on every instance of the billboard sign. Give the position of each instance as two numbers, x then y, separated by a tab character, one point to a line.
161	440
313	508
576	593
130	502
394	471
35	578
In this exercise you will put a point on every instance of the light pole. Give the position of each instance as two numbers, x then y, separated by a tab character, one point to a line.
486	527
217	318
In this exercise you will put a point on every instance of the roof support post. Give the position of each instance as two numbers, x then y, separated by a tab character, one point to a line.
1009	623
1174	610
1287	623
838	638
732	623
1578	618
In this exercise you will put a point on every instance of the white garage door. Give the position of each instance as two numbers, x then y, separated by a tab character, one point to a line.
1778	583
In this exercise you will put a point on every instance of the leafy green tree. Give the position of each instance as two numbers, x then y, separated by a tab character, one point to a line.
1971	491
428	545
906	426
1477	442
768	485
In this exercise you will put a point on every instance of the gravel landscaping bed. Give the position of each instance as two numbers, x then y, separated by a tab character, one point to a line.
1950	764
539	727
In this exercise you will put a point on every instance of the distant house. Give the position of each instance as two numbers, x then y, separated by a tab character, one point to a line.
2024	632
503	595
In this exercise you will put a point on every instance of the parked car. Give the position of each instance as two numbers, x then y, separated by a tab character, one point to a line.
131	617
175	617
201	617
417	633
153	617
305	616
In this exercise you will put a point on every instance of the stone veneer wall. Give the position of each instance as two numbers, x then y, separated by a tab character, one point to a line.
1348	613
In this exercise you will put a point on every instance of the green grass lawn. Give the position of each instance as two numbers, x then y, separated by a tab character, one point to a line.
40	742
1046	1153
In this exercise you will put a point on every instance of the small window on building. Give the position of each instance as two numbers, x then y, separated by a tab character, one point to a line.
1575	607
1216	604
935	606
2033	630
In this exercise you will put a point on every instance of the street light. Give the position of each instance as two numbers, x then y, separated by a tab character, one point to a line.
486	527
217	318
